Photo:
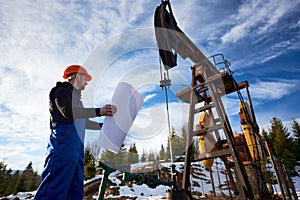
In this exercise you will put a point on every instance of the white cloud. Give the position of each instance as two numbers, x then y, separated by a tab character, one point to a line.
272	90
38	40
148	97
297	24
23	139
256	17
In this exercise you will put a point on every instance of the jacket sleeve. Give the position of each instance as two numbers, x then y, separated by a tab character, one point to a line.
91	125
63	101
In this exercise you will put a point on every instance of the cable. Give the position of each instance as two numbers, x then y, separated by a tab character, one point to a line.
169	124
165	82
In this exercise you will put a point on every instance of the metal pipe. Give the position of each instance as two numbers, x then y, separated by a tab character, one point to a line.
102	187
275	169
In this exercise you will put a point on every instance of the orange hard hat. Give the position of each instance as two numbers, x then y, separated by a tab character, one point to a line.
73	69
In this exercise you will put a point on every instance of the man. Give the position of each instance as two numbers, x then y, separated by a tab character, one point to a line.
63	174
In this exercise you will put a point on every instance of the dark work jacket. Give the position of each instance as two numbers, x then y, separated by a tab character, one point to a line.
63	105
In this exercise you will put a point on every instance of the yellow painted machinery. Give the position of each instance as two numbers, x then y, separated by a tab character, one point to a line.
248	130
206	141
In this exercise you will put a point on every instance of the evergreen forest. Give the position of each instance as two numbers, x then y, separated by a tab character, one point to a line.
284	142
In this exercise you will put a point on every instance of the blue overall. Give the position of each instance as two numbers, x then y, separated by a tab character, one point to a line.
63	173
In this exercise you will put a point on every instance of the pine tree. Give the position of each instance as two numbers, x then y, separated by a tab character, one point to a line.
89	164
30	179
15	182
151	157
3	178
281	143
10	182
133	156
121	158
265	135
162	153
177	143
143	157
296	132
168	152
22	184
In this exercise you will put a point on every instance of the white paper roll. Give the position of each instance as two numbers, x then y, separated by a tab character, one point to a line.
114	130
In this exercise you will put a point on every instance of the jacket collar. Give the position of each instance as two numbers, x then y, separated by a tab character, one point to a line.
70	87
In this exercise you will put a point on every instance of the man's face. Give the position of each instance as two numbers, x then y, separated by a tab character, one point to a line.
81	81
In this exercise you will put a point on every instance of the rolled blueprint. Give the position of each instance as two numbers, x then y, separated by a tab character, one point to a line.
115	129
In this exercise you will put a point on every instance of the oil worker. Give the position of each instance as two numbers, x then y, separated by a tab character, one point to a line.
63	173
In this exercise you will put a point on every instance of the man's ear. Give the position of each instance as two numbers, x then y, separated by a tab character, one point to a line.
77	76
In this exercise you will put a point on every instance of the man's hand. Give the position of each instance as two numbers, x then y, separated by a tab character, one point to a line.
108	110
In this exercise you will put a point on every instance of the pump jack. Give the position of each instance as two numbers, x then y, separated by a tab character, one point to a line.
209	84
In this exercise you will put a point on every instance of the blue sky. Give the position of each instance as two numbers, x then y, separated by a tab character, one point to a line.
115	41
